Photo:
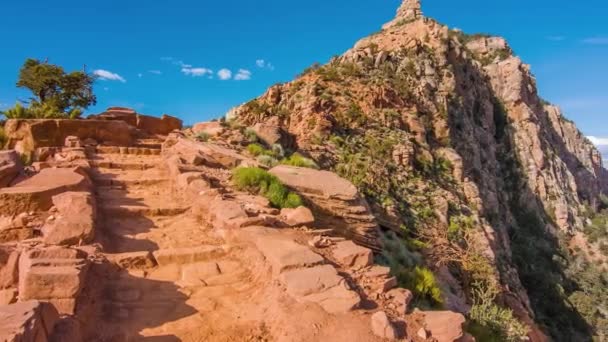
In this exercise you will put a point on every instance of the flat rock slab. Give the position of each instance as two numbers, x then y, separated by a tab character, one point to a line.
321	285
317	182
36	193
285	254
187	255
348	254
27	321
306	281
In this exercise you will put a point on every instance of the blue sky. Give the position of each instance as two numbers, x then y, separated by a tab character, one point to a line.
166	56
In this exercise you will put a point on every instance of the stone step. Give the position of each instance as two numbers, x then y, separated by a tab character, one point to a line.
151	145
123	183
127	150
106	164
188	255
138	210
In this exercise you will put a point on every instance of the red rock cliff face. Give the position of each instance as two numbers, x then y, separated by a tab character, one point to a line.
428	121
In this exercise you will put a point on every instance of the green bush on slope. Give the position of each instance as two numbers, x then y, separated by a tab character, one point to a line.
297	159
259	181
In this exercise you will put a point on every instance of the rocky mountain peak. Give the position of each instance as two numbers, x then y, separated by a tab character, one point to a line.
410	10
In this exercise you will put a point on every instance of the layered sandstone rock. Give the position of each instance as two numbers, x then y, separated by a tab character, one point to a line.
53	274
335	202
212	128
25	136
36	193
149	124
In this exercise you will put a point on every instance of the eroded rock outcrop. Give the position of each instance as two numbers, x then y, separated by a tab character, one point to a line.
149	124
25	136
36	193
335	202
437	129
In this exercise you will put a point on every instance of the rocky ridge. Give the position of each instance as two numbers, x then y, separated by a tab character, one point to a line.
446	136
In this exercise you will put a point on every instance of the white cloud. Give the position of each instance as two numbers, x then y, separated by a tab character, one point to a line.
596	40
264	64
224	74
242	75
177	62
108	76
196	72
598	141
155	72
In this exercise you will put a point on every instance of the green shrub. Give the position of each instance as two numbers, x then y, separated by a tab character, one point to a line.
251	135
256	149
259	181
422	281
268	161
405	264
297	159
203	136
492	322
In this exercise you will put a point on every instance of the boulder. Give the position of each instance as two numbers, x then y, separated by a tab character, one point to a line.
212	128
200	153
25	135
28	321
74	221
382	326
269	132
36	193
444	326
10	167
53	274
334	201
285	254
300	216
322	285
401	299
349	254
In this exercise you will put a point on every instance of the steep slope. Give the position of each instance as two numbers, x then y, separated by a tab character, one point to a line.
464	165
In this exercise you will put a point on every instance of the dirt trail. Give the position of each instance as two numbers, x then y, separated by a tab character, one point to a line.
199	280
171	276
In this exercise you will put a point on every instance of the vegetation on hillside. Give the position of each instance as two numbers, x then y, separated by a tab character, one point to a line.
55	93
258	181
